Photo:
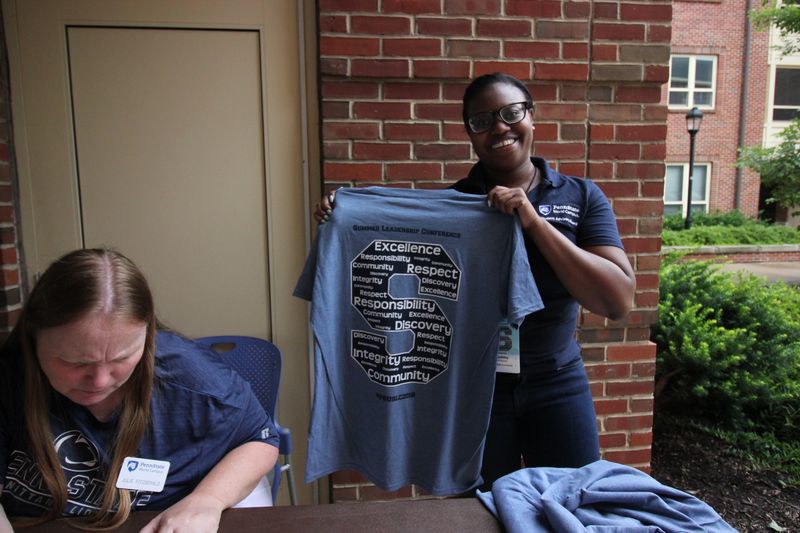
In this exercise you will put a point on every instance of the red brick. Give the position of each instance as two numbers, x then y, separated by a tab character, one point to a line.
575	10
634	334
573	132
629	457
382	110
614	423
350	130
453	90
654	151
561	71
628	388
653	189
332	24
444	26
472	7
380	68
573	93
613	406
336	150
607	10
642	438
352	171
442	151
348	46
455	132
349	90
456	171
612	440
561	150
5	193
532	50
412	7
546	29
576	51
545	131
606	371
410	91
647	281
414	171
649	262
614	151
538	9
8	256
632	352
602	335
618	32
543	92
646	299
9	276
643	370
561	112
441	69
438	111
381	25
601	132
642	405
604	52
411	132
381	151
653	132
413	47
646	12
659	34
503	28
601	170
472	48
638	95
348	5
519	69
333	67
6	213
656	73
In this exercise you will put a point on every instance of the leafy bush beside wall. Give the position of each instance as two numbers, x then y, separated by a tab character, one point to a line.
725	228
729	348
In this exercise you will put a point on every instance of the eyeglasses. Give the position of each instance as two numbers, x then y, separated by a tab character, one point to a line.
510	114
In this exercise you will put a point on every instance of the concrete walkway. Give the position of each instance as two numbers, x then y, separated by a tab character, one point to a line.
786	271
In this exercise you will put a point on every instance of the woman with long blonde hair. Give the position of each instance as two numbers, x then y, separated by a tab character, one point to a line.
87	380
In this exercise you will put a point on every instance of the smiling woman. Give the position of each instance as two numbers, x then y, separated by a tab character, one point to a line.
100	383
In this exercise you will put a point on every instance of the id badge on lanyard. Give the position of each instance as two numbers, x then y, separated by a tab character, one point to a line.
508	349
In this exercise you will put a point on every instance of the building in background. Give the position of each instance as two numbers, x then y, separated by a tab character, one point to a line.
720	65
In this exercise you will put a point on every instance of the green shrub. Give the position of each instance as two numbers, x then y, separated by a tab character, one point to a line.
724	228
729	348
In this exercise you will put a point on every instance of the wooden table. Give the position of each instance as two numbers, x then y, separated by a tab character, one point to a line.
456	514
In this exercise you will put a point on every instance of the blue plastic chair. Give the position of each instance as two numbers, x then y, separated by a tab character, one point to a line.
259	362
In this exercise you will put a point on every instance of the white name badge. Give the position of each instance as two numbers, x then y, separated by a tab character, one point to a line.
142	474
508	349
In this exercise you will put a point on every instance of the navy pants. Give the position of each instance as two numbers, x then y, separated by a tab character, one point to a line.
544	420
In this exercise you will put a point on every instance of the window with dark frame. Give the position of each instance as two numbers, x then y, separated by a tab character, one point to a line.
786	98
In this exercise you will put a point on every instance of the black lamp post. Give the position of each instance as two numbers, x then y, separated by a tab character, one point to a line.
693	119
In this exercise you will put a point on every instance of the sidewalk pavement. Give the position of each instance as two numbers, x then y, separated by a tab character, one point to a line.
788	271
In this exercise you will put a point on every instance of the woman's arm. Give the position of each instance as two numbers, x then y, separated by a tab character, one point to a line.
600	278
233	478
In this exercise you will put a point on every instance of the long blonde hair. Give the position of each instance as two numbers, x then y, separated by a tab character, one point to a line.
74	286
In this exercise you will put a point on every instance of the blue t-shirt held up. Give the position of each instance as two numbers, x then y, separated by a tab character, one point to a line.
407	289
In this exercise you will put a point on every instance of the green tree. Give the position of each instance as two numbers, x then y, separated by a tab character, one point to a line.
785	15
778	166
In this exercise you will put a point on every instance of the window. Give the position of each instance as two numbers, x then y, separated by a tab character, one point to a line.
786	100
691	81
676	185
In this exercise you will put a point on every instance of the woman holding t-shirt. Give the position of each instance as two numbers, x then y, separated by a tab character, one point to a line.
544	415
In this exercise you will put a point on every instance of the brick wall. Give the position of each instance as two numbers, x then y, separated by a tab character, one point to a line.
717	141
392	76
10	284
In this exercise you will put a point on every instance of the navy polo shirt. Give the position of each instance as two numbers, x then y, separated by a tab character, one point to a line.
581	212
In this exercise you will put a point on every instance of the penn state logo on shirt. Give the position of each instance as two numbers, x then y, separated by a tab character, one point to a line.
76	453
545	210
